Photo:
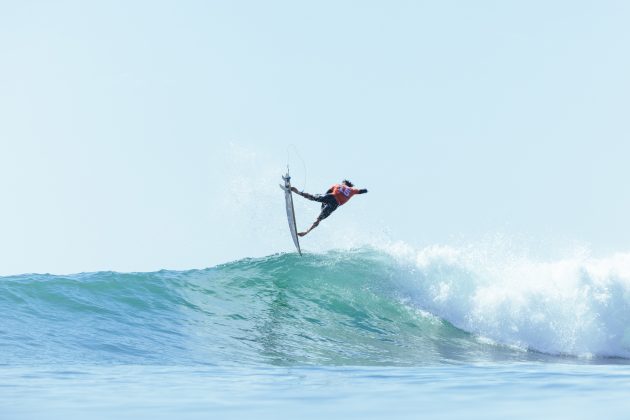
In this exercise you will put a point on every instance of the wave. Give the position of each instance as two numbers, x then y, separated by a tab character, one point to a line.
356	307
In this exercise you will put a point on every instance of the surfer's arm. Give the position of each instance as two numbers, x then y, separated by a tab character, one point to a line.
361	191
298	192
303	194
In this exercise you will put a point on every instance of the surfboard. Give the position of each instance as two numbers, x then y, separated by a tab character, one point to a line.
288	198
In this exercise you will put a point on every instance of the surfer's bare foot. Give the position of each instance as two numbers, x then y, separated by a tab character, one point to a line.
301	233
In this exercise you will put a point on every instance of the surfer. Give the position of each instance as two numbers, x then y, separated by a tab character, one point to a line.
336	196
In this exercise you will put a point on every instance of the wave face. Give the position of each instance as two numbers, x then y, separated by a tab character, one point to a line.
359	307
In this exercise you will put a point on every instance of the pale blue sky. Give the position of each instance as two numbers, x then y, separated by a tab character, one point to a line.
139	135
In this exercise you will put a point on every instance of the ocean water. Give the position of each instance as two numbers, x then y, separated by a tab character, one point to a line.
362	333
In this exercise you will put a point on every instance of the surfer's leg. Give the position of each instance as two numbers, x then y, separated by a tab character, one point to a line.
327	208
315	224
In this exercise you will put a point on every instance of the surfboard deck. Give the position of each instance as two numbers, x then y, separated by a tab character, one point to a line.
288	197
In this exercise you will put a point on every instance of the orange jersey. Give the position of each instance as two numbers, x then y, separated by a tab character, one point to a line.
343	193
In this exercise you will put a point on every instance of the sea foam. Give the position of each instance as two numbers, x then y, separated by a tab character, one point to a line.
576	306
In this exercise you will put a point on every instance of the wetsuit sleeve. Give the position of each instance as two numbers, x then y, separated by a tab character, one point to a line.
330	190
362	191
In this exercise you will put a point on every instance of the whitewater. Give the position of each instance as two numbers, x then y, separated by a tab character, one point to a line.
435	329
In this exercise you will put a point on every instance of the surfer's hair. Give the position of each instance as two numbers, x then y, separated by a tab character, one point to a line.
348	183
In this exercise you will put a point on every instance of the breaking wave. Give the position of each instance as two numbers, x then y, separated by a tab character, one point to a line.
356	307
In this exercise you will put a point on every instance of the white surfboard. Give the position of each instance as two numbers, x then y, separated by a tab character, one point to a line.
288	197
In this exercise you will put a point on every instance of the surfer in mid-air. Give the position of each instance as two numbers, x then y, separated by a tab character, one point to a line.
336	196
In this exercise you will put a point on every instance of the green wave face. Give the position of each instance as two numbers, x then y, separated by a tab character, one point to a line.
340	308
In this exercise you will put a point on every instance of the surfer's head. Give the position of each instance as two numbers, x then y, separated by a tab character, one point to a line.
348	183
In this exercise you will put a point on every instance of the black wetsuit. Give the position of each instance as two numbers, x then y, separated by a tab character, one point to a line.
329	204
328	200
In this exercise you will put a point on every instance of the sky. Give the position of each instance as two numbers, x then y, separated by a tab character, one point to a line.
147	135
